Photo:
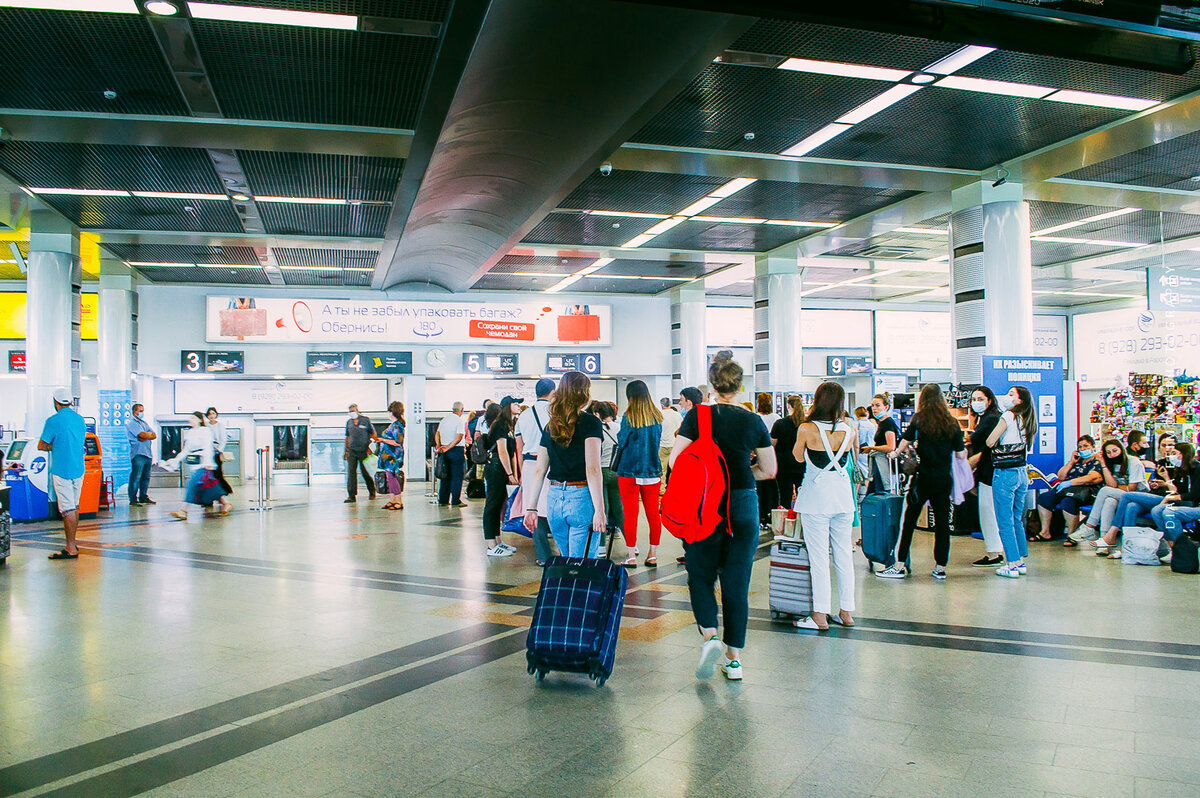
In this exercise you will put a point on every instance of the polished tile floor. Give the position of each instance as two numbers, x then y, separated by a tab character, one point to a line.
331	649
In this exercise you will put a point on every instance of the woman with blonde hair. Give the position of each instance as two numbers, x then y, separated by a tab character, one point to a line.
569	454
639	469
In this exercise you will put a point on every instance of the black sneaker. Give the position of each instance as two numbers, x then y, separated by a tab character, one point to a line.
988	562
350	500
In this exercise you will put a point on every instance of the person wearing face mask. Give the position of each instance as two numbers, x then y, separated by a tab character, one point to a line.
212	420
359	433
1077	481
1170	480
986	414
1183	506
887	434
141	456
203	488
1010	441
1122	473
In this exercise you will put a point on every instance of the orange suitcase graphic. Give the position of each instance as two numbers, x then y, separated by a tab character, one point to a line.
579	328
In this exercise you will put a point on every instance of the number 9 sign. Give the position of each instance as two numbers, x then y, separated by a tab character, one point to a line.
835	366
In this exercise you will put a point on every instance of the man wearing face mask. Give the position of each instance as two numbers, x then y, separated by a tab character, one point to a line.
1078	479
359	433
141	455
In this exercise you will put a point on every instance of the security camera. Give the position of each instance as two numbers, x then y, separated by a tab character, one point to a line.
606	168
1002	175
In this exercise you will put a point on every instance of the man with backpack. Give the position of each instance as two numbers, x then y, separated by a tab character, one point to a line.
529	437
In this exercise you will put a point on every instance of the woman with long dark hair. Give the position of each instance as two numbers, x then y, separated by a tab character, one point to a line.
938	440
500	472
391	456
570	455
197	449
985	414
639	470
783	437
1010	442
828	442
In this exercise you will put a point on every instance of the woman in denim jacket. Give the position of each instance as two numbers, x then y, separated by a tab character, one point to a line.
639	469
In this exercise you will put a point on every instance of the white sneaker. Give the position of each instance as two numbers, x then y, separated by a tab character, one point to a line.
508	548
895	571
710	652
1084	532
1009	571
499	550
1023	568
732	669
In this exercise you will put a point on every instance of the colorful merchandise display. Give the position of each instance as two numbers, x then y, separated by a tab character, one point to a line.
1152	403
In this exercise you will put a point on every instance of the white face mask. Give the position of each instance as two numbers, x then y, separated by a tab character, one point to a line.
1004	402
353	414
979	405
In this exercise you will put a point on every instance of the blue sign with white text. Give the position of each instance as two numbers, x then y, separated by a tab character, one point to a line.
1043	376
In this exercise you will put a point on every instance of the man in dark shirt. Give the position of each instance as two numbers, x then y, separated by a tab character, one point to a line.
359	433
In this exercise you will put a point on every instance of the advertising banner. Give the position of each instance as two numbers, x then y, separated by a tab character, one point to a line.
1043	376
349	321
12	315
116	407
1109	345
913	339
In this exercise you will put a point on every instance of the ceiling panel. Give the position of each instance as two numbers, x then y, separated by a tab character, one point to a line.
659	268
1172	164
288	256
1045	254
426	10
507	282
325	276
700	236
780	107
182	253
1064	73
642	192
598	284
109	166
587	230
365	221
865	292
302	174
540	263
205	274
806	202
962	129
87	55
826	43
297	74
735	289
137	213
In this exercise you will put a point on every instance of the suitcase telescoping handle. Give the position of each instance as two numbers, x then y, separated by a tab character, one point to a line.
894	476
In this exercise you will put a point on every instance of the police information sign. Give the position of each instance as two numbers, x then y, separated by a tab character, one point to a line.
1043	376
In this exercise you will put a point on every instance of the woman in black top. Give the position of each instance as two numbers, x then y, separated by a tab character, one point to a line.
938	440
887	436
986	414
783	438
500	472
728	553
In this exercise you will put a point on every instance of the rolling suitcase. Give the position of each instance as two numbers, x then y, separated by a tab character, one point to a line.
577	617
5	536
881	514
790	580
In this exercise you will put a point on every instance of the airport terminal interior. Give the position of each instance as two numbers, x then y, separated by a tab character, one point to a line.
347	227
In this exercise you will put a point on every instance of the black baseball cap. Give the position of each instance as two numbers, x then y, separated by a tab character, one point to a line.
510	400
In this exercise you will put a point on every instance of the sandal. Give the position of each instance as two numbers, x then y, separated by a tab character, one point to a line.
651	562
64	555
1069	544
841	621
631	562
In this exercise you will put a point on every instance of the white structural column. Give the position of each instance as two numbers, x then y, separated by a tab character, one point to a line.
689	338
778	354
991	276
117	342
52	310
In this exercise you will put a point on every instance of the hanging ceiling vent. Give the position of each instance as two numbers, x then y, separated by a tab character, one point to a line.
888	253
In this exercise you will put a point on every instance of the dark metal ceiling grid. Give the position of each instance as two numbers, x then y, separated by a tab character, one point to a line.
1171	164
659	268
425	10
302	174
645	192
1043	214
1145	227
110	166
285	218
597	285
1063	300
780	107
183	253
1047	254
866	292
1064	73
318	76
316	277
587	230
962	129
136	213
204	274
1154	257
86	55
735	289
540	263
291	256
701	236
806	202
508	282
827	43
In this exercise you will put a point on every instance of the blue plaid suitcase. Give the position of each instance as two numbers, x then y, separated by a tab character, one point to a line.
577	617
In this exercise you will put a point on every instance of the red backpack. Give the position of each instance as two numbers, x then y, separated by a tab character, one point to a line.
697	495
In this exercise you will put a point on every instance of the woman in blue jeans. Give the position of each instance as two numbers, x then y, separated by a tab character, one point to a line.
570	455
1174	481
728	553
1009	442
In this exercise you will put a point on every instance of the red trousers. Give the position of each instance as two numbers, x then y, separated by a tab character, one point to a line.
629	502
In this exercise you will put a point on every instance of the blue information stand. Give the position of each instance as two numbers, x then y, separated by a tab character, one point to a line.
1043	376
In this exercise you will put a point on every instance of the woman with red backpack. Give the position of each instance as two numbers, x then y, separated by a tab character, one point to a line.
728	552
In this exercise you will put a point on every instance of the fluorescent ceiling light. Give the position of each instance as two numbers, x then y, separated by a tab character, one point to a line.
939	258
561	284
1079	223
880	103
699	205
80	192
727	220
827	133
665	225
845	70
958	59
630	214
1101	100
302	200
641	277
162	8
637	241
790	223
538	274
985	86
929	231
594	266
109	6
178	195
272	16
144	264
293	267
733	186
1098	242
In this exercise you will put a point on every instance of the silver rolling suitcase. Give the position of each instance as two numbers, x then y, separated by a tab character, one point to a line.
790	580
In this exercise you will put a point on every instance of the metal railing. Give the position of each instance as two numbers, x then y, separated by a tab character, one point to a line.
262	475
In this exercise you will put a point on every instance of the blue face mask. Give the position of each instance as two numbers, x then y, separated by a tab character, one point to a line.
1087	455
881	416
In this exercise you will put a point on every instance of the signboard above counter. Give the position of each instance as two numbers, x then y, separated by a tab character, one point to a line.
359	362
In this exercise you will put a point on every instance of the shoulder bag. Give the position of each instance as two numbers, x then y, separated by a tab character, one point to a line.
1010	455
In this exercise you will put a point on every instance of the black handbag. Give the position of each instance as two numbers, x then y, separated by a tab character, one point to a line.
1185	556
1009	455
441	468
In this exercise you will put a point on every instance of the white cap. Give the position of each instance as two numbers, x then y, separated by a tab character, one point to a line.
62	396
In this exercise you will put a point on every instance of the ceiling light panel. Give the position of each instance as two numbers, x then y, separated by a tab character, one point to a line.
1101	100
637	241
1098	242
929	231
1081	222
958	59
181	196
844	70
825	134
727	220
302	200
733	186
80	192
272	16
630	214
704	203
985	86
664	225
790	223
108	6
880	103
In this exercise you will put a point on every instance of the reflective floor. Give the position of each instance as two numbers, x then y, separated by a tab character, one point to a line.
331	649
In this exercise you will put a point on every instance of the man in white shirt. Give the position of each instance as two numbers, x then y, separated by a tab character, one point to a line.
530	425
451	441
670	428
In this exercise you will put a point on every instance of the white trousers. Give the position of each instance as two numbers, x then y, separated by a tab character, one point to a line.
987	521
820	531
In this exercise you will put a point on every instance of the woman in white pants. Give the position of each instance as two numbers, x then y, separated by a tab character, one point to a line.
826	442
985	414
